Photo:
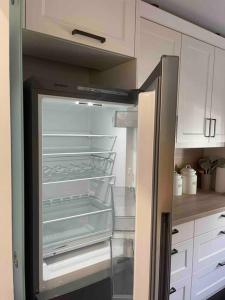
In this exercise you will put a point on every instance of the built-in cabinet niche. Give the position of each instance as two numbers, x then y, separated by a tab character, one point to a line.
55	75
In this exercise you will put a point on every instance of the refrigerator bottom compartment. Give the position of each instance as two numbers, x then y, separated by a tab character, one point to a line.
77	268
74	223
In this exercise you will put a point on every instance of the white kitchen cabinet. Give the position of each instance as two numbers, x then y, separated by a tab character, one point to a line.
181	290
154	41
208	249
209	223
181	260
182	232
195	90
208	282
218	99
112	20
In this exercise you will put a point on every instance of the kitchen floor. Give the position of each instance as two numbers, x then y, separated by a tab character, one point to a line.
218	296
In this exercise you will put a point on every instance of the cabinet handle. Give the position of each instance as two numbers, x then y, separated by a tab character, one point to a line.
90	35
175	231
172	290
221	264
222	232
214	128
174	251
207	132
222	216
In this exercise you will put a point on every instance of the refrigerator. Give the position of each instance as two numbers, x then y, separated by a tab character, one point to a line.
99	187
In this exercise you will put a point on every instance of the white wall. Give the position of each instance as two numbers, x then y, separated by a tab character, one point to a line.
6	281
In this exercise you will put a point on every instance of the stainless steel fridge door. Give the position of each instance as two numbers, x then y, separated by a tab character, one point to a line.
155	162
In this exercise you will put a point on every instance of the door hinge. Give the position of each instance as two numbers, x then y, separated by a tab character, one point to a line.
15	260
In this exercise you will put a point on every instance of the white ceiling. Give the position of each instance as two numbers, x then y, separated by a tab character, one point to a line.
209	14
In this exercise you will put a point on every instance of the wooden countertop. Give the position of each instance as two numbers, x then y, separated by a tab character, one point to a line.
187	208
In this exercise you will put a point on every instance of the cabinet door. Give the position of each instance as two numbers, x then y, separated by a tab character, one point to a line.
154	41
196	72
181	290
113	20
181	260
218	98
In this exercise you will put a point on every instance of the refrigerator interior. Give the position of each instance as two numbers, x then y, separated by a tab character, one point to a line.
87	189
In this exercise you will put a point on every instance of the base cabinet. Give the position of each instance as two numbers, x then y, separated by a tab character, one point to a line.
208	282
198	263
181	290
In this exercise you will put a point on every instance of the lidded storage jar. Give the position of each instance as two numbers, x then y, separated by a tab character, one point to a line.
177	184
189	180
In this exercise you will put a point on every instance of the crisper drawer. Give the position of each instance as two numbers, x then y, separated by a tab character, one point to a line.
181	260
209	248
182	232
181	290
209	223
82	216
208	281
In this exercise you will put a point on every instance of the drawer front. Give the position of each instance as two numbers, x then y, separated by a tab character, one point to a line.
208	282
181	290
209	248
209	223
182	232
181	260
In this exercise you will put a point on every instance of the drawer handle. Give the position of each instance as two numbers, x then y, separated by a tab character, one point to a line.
221	264
222	232
174	251
175	231
90	35
222	216
172	290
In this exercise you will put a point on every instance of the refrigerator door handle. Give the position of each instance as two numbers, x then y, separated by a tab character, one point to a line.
165	257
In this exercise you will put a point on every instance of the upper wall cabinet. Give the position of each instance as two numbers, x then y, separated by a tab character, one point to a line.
154	41
218	99
195	90
105	24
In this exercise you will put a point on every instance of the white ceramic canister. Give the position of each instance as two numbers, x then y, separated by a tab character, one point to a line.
177	184
189	183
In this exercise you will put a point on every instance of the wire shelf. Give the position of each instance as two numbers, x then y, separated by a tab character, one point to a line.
57	169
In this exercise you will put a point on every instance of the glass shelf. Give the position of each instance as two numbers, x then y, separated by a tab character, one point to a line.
64	168
55	142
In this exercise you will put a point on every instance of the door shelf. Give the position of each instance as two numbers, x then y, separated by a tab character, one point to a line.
76	142
57	169
124	205
75	222
122	268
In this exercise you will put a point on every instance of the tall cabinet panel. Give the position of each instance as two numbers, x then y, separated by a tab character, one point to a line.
196	72
155	41
104	24
218	98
